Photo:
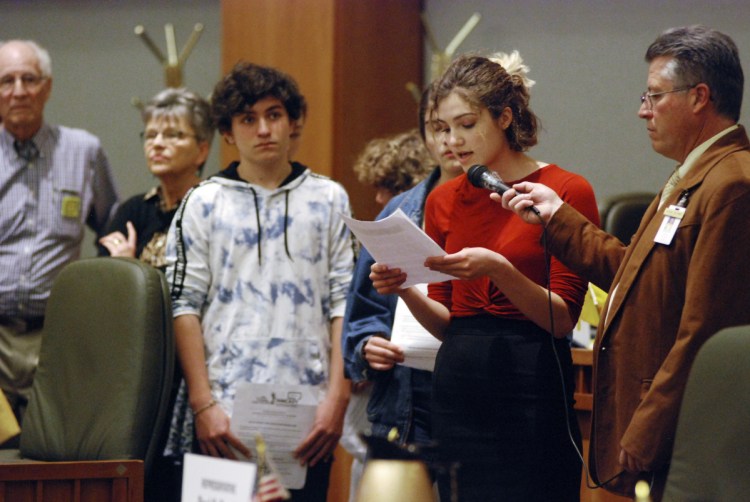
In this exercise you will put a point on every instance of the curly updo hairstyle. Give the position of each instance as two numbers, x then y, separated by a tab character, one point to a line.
494	83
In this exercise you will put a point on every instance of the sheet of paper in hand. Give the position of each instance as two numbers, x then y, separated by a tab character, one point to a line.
397	242
283	415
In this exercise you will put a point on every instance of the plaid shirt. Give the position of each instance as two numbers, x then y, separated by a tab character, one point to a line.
43	208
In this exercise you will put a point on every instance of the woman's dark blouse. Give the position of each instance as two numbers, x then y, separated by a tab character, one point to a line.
151	221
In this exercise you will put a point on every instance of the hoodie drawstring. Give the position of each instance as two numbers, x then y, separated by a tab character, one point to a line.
257	222
260	230
286	221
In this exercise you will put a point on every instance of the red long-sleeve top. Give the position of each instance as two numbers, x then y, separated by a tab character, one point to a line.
459	215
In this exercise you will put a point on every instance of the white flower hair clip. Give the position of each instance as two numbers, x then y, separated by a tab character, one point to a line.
513	64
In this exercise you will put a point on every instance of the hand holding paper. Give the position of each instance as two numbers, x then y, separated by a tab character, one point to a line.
382	354
397	242
419	347
284	415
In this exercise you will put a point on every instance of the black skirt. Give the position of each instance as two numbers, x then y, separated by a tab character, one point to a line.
503	413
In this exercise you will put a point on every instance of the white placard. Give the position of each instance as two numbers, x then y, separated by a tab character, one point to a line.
214	479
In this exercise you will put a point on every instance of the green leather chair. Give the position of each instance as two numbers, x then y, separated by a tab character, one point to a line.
102	388
710	461
621	214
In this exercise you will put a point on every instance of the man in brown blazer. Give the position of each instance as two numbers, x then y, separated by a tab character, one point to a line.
684	275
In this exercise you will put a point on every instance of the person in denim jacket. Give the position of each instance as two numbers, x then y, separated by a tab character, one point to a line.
400	395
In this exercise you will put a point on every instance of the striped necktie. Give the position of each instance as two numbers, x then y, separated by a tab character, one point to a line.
27	150
671	184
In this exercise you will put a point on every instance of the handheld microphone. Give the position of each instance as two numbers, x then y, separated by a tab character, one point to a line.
481	177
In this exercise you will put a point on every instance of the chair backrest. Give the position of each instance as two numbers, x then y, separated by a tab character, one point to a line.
710	459
621	214
101	390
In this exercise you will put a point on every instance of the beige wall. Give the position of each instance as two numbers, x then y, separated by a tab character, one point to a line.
587	59
586	56
99	65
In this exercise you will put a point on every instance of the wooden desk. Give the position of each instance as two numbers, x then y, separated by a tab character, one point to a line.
582	366
103	480
341	471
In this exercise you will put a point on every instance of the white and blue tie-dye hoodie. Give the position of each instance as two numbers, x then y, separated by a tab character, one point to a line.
266	271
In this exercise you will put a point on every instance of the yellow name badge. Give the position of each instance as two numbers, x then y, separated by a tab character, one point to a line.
71	206
675	212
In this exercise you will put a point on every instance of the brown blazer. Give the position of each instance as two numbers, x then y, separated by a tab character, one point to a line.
669	300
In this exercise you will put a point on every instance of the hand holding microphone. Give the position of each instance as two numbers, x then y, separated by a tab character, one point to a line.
525	200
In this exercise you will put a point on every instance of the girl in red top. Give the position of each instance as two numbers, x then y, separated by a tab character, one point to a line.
502	387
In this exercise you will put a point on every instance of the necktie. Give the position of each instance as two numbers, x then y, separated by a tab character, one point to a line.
27	150
669	187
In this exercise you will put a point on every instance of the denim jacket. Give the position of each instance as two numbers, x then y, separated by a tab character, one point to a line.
369	313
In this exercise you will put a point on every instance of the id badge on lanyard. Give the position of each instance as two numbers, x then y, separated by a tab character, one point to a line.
672	217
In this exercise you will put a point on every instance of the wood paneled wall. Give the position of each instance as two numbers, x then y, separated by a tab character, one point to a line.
352	60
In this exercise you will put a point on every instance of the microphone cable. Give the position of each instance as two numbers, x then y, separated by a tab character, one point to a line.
561	374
